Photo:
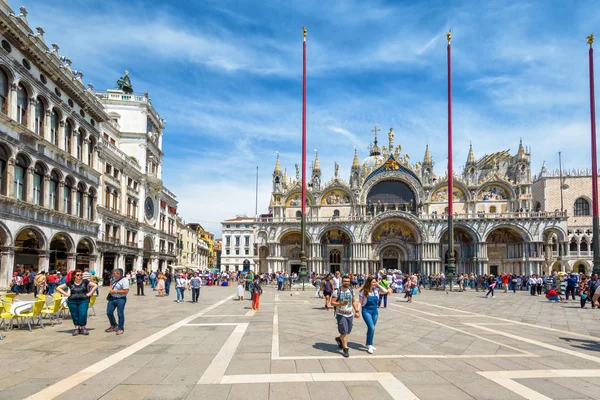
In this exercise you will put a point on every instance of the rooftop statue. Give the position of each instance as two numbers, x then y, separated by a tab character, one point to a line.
124	83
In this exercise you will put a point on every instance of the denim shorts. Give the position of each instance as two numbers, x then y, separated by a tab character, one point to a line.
344	324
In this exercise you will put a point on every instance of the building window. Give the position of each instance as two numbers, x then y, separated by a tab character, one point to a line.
237	252
53	190
19	179
227	252
68	137
79	144
90	207
38	183
39	117
90	155
582	207
3	92
237	240
228	226
247	240
247	251
67	196
79	206
22	105
54	128
227	240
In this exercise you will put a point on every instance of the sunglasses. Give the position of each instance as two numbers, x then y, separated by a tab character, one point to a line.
78	274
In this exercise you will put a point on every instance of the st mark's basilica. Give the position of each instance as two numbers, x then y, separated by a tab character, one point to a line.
392	214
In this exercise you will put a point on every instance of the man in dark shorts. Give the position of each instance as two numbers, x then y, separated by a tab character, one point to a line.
347	308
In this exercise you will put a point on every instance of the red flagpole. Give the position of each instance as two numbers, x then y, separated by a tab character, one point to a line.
450	174
451	266
595	224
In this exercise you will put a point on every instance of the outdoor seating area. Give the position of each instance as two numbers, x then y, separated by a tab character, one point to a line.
34	313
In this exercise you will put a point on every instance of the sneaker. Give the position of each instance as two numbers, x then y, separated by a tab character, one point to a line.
493	297
76	332
345	353
339	342
371	349
178	301
110	329
84	331
120	332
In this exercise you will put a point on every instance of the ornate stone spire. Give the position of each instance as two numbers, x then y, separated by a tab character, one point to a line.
355	163
316	173
471	156
427	157
285	176
277	165
316	166
521	153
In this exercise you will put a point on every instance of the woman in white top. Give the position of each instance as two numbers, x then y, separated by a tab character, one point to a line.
240	288
180	285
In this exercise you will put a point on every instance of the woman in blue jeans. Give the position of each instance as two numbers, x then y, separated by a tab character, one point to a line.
80	291
369	297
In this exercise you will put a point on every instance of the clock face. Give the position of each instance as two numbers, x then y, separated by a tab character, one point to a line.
149	207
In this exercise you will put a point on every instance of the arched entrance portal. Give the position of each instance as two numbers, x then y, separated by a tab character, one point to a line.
400	236
28	245
464	250
336	249
505	251
60	247
291	243
84	252
392	258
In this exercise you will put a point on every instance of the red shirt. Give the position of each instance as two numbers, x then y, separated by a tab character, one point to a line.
551	293
505	278
51	278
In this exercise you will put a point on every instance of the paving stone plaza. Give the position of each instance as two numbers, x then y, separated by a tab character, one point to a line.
441	346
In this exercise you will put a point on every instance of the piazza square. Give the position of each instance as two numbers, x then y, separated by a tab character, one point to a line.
275	200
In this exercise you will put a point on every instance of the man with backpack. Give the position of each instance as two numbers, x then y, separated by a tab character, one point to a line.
346	308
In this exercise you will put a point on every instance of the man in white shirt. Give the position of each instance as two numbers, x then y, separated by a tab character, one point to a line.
337	280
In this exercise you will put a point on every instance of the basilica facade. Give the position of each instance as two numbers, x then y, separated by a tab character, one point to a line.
393	214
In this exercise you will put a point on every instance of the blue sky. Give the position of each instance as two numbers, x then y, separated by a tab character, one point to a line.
227	77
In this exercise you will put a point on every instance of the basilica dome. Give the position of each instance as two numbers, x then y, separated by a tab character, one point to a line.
373	161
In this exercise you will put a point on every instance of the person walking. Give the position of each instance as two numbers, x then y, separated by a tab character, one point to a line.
369	297
327	291
256	290
139	280
117	298
491	285
195	283
505	280
168	279
80	291
571	284
240	288
347	309
383	295
280	279
153	280
160	284
180	284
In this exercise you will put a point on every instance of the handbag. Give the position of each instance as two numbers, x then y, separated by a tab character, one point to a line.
109	296
583	296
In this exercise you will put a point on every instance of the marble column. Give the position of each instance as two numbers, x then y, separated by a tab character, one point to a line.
61	136
31	114
46	192
61	196
10	178
12	102
7	264
71	261
43	261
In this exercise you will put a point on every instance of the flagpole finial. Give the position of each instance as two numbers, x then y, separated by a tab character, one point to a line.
590	39
449	35
304	32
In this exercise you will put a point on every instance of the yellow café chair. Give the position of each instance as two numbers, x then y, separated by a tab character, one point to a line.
6	315
63	309
10	295
53	311
91	304
34	313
